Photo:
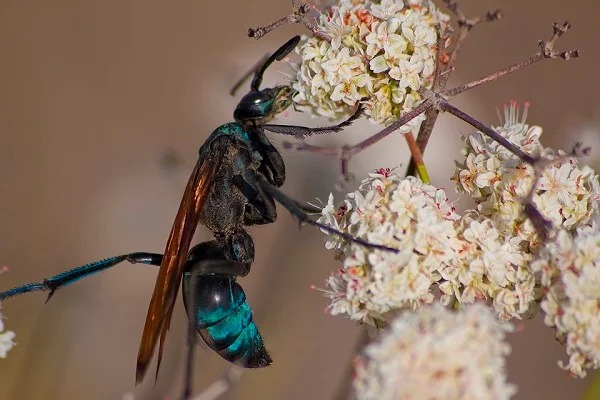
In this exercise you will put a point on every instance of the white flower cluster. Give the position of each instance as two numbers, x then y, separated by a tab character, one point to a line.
570	275
491	254
467	258
490	268
437	354
566	194
6	339
500	241
406	214
380	54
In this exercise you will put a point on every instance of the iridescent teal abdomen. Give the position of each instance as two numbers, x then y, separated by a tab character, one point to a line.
224	319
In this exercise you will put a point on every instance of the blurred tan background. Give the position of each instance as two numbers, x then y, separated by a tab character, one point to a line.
94	94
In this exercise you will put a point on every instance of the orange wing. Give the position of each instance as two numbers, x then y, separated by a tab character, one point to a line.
171	268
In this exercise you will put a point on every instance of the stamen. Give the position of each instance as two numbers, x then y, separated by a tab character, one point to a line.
512	113
499	118
525	112
329	293
513	107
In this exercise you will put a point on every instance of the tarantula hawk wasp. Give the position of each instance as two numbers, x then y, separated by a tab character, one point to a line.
234	184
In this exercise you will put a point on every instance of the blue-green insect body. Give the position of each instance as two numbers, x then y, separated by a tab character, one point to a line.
224	319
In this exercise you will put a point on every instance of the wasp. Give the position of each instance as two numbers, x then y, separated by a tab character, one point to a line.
234	184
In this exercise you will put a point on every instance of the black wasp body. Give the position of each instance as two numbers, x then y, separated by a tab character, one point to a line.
234	184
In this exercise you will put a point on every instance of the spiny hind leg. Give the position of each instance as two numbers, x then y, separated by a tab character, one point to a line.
66	278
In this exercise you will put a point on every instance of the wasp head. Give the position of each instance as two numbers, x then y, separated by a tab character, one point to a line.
260	106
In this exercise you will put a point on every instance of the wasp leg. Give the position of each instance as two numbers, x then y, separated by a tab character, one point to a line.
303	131
255	214
260	208
272	165
66	278
304	218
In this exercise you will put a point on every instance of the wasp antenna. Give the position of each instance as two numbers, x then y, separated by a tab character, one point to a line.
254	70
279	55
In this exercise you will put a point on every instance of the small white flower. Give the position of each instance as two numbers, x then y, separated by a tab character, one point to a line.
341	65
407	72
384	37
6	342
6	339
387	9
